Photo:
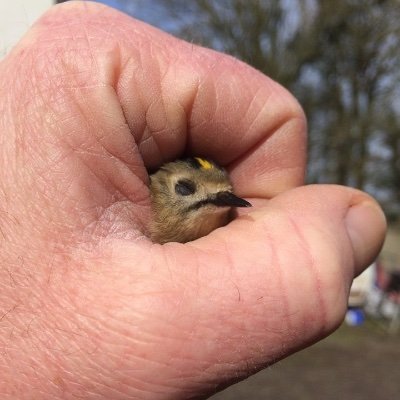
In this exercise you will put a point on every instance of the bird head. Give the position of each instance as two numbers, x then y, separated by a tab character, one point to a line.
192	197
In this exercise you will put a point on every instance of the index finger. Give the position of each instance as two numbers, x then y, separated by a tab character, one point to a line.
213	105
177	98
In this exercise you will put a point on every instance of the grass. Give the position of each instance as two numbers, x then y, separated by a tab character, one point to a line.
354	363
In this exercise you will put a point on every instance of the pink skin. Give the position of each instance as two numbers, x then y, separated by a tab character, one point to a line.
89	307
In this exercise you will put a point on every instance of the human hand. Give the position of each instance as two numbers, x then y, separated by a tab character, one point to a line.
89	307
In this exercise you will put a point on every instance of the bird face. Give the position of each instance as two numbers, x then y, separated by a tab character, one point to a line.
190	198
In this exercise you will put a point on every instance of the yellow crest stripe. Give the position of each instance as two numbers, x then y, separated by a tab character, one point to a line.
204	163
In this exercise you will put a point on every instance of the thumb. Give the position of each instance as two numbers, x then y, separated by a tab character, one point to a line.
277	278
268	284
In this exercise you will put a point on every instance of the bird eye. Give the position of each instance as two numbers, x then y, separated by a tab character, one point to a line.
184	187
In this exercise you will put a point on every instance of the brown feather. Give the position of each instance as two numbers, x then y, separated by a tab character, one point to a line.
175	216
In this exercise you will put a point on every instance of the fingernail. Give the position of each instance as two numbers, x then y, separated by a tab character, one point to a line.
366	226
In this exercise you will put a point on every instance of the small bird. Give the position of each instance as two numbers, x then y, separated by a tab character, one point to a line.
190	198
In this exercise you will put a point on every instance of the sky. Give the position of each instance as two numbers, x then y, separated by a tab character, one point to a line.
141	9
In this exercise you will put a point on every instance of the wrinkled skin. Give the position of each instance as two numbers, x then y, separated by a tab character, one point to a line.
89	307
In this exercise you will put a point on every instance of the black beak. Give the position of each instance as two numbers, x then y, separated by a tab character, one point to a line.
228	199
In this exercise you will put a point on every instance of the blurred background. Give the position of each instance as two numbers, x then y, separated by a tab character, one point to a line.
341	59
